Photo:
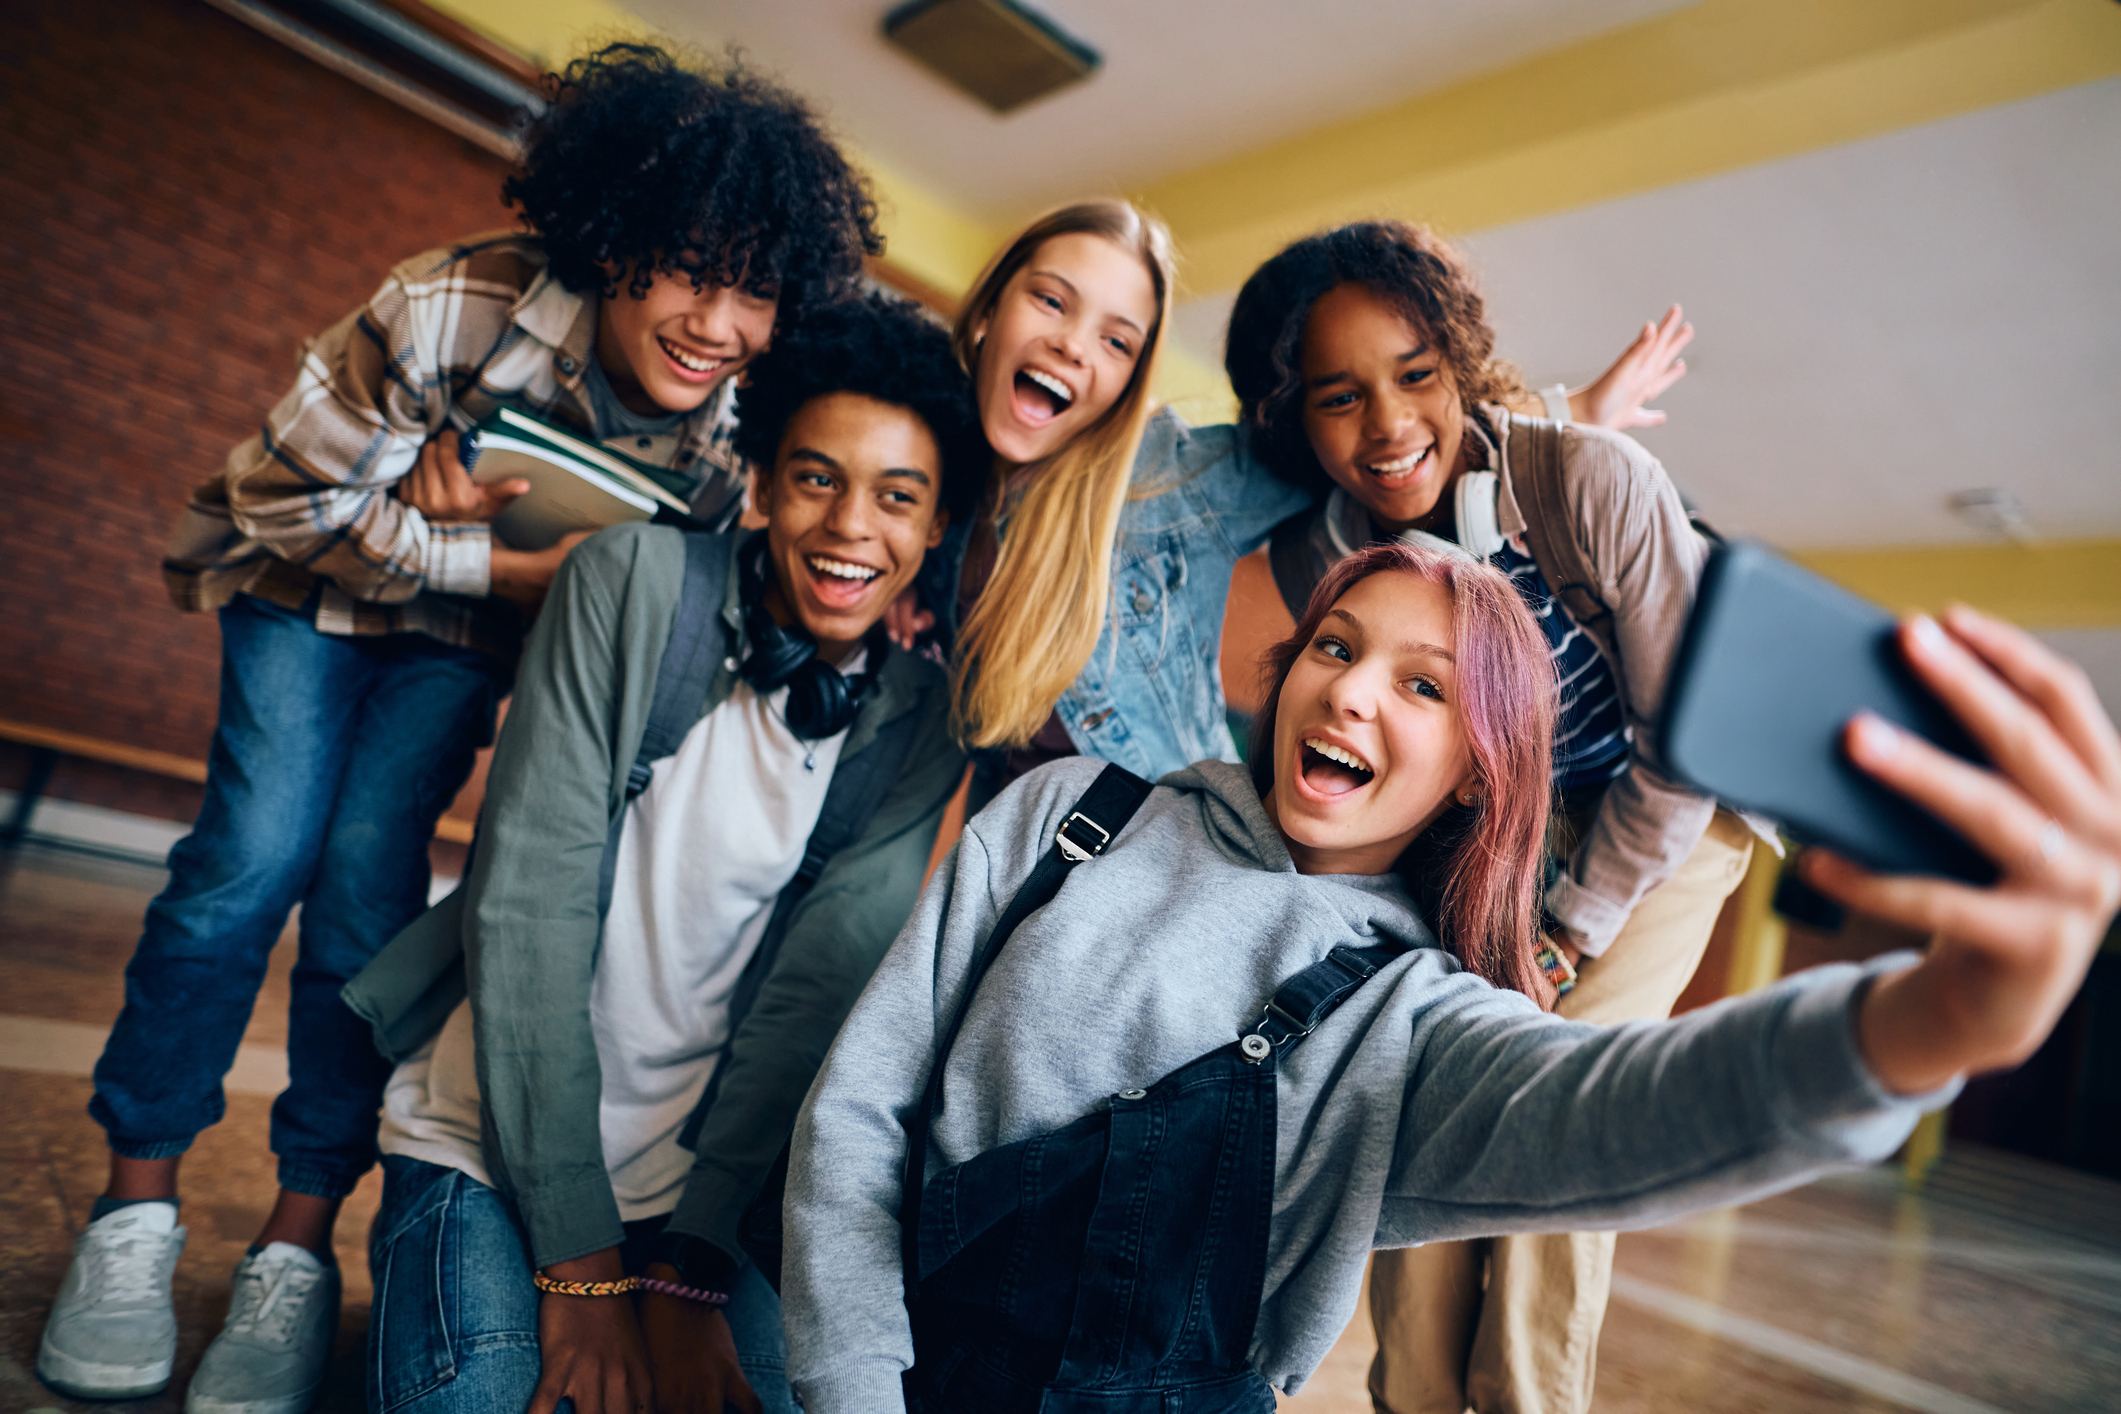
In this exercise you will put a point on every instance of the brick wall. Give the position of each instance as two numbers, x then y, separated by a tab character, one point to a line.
184	202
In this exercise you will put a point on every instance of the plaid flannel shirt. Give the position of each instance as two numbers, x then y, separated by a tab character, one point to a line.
305	512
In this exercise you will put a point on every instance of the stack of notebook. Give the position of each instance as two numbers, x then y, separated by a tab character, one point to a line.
574	483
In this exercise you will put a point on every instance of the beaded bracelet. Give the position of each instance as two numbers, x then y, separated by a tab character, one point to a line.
1555	964
686	1293
623	1286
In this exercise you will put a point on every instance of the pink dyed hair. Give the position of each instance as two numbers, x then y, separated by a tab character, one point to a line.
1478	868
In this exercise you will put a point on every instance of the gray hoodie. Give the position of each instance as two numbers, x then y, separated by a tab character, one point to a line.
1431	1106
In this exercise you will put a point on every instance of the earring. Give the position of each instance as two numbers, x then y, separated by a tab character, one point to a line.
1469	799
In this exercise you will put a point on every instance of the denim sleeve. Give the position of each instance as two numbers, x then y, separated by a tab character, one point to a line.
837	937
1515	1122
531	924
1217	466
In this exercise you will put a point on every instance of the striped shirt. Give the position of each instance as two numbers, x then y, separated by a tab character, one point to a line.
304	513
1591	734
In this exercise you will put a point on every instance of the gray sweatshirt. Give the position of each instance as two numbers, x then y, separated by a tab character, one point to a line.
1431	1106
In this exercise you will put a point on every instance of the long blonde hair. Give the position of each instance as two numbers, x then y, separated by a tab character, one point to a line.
1037	621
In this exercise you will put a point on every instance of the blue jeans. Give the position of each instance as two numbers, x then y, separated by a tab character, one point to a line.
332	759
453	1328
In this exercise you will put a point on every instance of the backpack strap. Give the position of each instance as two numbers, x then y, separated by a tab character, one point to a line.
1300	1005
696	648
859	785
1536	481
1099	816
1294	560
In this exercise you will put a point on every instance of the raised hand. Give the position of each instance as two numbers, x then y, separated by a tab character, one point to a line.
439	487
1617	398
2005	960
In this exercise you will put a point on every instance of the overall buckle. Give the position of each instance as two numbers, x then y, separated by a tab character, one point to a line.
1079	852
1256	1046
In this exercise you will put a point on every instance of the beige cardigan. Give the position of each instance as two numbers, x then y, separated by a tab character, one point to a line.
1647	560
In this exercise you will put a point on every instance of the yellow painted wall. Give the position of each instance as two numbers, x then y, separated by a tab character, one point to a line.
924	236
2048	584
547	32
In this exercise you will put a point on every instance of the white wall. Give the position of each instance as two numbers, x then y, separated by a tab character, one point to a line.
1881	324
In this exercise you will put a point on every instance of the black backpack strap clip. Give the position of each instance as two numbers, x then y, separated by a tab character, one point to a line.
1087	832
1301	1004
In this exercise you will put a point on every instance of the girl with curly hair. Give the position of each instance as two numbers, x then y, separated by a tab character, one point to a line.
1365	366
1130	1148
369	621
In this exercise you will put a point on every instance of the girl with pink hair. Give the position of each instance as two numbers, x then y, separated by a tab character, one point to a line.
1128	1150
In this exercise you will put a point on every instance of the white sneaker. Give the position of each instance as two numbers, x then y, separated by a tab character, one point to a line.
112	1333
270	1357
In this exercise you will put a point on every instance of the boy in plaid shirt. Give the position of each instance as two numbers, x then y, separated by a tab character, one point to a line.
369	624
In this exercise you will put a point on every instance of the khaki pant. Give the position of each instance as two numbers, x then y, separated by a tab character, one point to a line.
1527	1343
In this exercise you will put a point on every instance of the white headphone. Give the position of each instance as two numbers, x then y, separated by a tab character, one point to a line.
1479	526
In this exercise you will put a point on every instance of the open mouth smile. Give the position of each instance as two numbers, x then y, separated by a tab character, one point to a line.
837	583
1039	397
1333	770
1401	470
841	569
688	361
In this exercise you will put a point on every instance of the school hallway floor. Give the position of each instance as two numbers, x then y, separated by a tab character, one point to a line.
1999	1288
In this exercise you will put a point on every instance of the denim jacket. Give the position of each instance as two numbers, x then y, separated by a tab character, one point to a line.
1151	696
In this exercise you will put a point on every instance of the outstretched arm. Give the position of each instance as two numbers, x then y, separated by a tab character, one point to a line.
1511	1127
2004	960
1618	398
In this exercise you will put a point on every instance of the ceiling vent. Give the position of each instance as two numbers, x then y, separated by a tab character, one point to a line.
996	50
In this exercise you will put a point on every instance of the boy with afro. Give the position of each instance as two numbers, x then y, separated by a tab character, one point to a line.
708	816
369	626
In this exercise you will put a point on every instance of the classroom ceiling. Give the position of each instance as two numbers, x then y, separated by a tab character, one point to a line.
1184	81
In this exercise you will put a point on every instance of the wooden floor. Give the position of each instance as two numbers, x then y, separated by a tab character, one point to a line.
1997	1290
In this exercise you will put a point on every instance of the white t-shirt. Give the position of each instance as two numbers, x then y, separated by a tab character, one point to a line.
703	853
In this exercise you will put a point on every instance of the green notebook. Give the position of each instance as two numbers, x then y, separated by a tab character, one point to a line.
575	484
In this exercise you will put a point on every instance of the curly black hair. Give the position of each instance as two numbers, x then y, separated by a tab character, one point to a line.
641	163
1411	269
882	347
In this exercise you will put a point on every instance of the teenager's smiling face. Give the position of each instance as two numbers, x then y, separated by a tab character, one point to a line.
1380	409
1369	742
668	351
1061	343
851	506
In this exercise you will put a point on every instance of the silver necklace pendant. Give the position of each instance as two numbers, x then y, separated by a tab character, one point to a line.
810	760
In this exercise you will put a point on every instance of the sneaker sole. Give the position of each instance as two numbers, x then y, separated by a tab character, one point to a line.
90	1379
196	1403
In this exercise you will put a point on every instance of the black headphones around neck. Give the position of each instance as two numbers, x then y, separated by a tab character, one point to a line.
821	700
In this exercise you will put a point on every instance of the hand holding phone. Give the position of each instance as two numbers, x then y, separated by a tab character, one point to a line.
1965	750
2005	960
1774	664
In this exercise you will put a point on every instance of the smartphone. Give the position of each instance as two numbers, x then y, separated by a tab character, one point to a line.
1774	662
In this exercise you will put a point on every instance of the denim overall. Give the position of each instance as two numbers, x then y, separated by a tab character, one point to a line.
1117	1265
